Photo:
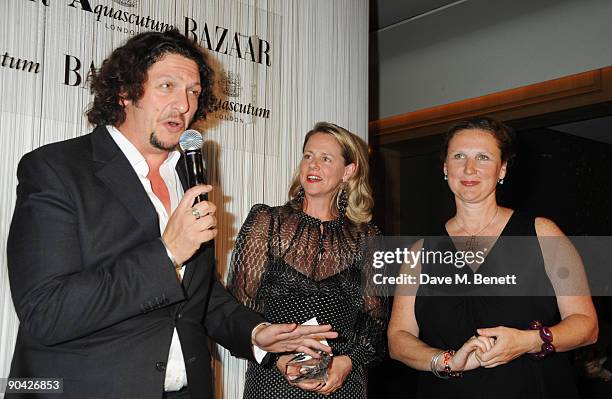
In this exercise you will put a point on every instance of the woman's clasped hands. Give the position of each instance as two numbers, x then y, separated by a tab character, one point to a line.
492	347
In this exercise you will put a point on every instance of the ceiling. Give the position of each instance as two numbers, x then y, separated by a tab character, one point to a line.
385	13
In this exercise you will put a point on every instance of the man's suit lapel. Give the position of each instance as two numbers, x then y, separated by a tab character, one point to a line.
119	176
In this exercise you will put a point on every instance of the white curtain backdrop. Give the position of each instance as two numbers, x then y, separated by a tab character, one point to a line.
318	71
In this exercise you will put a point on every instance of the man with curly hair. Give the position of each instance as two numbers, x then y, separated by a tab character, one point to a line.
111	264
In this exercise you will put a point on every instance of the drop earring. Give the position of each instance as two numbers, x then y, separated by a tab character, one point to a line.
299	197
342	201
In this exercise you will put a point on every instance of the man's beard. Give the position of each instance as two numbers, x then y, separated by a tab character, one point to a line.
156	143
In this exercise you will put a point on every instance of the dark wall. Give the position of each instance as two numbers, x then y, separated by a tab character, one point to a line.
565	178
426	201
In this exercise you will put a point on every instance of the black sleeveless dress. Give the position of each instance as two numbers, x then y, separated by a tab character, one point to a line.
447	319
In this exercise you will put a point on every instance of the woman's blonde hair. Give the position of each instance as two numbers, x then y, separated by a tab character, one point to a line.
357	188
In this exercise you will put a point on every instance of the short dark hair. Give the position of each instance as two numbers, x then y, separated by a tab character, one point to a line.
125	71
503	134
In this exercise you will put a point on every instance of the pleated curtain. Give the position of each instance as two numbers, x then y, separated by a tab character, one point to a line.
318	56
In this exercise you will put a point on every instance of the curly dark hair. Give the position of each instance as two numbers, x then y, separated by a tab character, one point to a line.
503	134
125	71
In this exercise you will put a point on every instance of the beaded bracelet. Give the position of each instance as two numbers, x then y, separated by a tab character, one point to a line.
447	369
448	372
547	338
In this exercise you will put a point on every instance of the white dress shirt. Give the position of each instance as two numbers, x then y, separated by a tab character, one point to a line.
176	375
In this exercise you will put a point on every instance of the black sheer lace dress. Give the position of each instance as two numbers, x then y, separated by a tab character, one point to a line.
291	267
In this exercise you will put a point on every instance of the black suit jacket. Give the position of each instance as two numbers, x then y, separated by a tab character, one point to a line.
94	290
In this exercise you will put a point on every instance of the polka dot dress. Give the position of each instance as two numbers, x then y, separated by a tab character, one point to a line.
292	267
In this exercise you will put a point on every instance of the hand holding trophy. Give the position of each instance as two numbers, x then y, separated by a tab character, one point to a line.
307	370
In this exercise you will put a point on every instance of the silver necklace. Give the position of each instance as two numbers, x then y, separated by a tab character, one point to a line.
472	243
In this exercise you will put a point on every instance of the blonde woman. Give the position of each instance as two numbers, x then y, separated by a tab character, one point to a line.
304	259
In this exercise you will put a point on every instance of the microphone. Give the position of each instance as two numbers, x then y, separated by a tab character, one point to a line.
191	144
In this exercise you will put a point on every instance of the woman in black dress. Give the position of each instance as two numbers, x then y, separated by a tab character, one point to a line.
493	328
305	259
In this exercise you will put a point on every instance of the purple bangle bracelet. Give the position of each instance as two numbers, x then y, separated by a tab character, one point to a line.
547	338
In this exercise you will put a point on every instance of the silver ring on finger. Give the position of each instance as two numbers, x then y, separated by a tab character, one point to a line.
196	213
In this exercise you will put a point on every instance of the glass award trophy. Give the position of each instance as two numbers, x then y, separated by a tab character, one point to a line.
305	368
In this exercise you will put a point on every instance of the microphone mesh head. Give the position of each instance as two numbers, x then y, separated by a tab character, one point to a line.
191	140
